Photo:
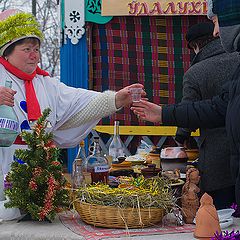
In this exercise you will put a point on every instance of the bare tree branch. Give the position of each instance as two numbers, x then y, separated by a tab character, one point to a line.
47	15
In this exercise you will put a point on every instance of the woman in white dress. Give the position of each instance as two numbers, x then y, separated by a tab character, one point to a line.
74	111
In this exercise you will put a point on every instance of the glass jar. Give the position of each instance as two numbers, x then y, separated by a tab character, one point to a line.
97	165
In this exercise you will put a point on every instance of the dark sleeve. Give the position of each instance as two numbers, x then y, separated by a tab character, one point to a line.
191	80
182	134
205	114
191	93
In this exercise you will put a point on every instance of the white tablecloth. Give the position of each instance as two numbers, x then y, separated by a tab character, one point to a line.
33	230
179	236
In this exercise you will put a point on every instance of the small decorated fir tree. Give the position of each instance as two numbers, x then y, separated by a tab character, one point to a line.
37	175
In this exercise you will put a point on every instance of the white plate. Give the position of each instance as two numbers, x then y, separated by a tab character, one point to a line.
182	175
226	223
134	158
178	183
225	213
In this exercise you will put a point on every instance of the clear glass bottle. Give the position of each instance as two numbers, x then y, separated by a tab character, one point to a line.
116	148
97	165
78	179
77	175
9	125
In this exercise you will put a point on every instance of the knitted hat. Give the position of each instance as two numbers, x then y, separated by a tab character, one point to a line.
16	25
199	30
228	12
210	13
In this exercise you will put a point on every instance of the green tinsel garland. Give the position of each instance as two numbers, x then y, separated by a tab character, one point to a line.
38	185
17	26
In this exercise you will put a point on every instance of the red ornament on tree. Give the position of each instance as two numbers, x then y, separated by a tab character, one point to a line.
30	191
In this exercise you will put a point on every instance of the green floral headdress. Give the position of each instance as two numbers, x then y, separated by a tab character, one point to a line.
18	26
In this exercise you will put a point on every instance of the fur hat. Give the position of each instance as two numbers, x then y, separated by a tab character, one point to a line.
16	25
210	13
199	30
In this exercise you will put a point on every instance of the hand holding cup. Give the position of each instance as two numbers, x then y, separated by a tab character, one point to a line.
136	94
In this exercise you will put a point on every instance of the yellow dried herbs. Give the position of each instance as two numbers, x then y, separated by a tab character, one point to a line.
138	192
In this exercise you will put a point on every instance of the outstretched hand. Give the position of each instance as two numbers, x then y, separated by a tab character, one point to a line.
7	96
123	96
147	111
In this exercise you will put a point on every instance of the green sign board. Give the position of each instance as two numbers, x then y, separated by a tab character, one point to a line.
93	12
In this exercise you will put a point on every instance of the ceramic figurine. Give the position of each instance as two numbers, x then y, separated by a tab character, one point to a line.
189	198
207	221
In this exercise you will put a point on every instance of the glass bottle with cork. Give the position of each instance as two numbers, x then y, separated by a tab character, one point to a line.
97	165
9	125
116	148
78	179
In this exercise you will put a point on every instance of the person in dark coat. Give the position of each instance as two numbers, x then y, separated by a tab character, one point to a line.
210	69
218	111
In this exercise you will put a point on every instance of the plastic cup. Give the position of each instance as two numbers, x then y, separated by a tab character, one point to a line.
136	94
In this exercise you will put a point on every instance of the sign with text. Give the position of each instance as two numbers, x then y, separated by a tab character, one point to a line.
153	7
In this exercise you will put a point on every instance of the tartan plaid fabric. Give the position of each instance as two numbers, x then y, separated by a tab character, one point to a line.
149	50
228	12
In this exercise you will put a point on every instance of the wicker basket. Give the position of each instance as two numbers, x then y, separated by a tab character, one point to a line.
112	217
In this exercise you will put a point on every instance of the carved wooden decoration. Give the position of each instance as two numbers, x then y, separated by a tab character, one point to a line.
74	13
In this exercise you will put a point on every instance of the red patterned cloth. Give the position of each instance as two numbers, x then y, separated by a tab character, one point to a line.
74	223
150	50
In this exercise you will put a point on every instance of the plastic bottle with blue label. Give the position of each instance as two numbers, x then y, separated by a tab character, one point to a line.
9	125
